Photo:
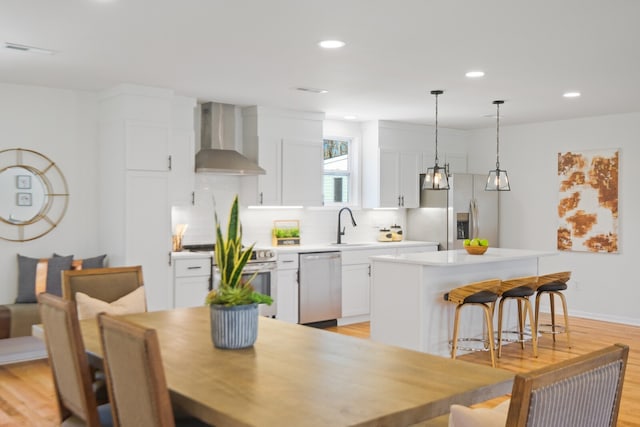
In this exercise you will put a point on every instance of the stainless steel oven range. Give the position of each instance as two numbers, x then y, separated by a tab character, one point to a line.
263	264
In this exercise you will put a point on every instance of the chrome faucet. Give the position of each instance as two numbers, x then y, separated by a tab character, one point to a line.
341	230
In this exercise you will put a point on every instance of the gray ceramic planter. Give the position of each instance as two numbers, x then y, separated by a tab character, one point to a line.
234	327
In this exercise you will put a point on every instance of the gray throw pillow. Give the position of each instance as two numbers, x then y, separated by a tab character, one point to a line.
27	276
94	262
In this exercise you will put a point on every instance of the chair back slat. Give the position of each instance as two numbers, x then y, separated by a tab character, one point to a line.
507	285
135	374
562	276
458	295
584	391
106	284
69	363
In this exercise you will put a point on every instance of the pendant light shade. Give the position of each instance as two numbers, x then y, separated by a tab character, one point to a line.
436	177
497	180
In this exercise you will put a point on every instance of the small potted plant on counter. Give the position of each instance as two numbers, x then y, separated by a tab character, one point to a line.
234	304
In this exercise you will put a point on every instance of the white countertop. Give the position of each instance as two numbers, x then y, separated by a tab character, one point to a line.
325	247
461	257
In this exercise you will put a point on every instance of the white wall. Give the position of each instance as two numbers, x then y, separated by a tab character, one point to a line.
603	286
60	124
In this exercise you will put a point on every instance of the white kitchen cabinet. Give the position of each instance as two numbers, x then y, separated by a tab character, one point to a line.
356	280
287	282
288	145
302	172
135	134
191	277
399	179
182	151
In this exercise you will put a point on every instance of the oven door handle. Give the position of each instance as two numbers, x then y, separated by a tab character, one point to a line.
252	268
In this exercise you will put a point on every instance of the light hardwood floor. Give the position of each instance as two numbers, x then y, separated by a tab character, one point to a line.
27	396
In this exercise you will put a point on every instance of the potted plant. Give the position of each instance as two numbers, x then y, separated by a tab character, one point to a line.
234	304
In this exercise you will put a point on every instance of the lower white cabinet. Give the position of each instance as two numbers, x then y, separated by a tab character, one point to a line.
191	281
287	282
356	279
355	289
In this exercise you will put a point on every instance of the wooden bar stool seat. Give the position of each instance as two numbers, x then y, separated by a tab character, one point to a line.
553	284
482	294
519	289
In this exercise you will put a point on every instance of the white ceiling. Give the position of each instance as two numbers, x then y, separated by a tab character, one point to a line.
256	52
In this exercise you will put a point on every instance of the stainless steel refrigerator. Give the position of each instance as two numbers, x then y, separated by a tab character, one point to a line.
465	211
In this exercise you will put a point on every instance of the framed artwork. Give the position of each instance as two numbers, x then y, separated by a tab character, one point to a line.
588	203
23	182
23	199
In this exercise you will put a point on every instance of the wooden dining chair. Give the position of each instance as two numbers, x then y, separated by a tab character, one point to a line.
135	376
68	359
106	284
581	392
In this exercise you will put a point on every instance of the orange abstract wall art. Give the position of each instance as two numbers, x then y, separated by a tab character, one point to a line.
588	206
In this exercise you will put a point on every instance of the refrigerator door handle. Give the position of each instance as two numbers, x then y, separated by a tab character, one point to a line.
474	219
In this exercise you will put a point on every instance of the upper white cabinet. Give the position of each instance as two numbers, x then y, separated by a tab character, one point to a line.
182	151
399	179
392	159
288	145
139	127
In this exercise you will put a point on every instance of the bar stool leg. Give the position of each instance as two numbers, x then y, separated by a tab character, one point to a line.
520	323
488	315
500	304
566	318
534	329
454	343
553	314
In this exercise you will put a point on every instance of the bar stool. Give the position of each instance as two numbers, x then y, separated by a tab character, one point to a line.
519	289
481	294
553	284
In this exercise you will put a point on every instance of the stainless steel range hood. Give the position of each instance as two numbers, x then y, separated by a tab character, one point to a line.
217	153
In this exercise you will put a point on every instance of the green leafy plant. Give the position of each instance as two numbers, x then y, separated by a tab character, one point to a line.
231	258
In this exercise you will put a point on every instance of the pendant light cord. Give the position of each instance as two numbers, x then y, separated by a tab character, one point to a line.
498	136
437	129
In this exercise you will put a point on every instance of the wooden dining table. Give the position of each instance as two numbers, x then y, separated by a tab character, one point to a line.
296	375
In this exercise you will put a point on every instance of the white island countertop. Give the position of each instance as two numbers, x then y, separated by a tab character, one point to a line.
461	257
352	246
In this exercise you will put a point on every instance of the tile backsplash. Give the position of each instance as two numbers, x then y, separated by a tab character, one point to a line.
317	225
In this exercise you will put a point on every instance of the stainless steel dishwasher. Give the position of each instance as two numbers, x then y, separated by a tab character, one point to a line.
320	281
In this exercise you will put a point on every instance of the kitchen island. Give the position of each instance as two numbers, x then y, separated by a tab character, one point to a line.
407	305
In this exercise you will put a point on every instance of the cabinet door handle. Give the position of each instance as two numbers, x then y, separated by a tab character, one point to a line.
169	259
194	267
402	200
193	198
169	162
369	270
286	261
399	201
261	197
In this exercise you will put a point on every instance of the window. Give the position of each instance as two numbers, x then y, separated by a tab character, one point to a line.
337	180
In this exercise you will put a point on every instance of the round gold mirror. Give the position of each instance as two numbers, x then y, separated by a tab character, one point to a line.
33	195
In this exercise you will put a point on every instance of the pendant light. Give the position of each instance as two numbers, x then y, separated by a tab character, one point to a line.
436	177
497	180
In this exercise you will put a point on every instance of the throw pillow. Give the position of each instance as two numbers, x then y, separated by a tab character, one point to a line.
86	263
89	307
462	416
38	275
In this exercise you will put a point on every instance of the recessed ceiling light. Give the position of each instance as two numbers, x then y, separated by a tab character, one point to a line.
331	44
475	74
571	94
350	117
311	89
29	49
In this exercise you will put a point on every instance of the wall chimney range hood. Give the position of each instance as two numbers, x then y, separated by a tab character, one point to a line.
217	153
